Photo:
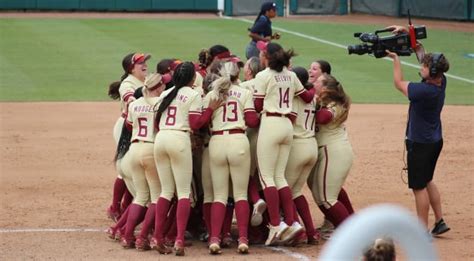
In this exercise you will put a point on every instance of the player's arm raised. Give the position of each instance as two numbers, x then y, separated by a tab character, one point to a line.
398	81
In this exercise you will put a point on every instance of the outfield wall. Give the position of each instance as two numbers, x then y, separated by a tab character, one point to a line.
110	5
442	9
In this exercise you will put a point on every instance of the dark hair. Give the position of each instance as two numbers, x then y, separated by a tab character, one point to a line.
334	93
442	65
277	57
303	76
216	50
183	75
124	142
325	66
382	250
115	86
267	6
163	67
204	58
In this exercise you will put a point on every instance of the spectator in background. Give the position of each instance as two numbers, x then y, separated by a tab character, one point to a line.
262	29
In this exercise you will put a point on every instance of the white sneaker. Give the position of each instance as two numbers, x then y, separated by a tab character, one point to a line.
275	233
292	232
258	209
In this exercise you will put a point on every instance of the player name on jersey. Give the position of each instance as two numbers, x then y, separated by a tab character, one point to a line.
182	97
233	93
282	78
143	108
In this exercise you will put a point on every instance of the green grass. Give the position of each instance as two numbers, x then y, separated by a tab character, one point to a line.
76	59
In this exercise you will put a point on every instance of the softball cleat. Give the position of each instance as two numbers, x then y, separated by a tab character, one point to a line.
275	233
257	214
215	249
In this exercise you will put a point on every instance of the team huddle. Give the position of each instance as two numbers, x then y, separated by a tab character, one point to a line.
195	143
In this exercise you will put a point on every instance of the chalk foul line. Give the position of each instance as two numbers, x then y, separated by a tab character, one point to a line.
33	230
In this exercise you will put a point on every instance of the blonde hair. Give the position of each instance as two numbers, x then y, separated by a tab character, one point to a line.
383	249
229	73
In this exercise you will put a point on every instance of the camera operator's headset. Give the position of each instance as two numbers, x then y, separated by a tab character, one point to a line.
434	64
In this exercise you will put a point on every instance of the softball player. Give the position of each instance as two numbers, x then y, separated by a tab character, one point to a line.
229	152
205	167
251	68
303	155
139	160
135	71
276	88
335	150
179	112
317	68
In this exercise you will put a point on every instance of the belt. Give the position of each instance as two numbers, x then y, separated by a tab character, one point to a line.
276	114
233	131
141	141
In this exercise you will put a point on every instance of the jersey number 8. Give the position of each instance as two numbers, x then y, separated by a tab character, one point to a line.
171	116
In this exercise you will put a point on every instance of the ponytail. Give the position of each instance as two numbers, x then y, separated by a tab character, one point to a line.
183	75
280	59
222	86
124	142
115	86
258	17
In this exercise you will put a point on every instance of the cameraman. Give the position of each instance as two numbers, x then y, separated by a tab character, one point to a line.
424	134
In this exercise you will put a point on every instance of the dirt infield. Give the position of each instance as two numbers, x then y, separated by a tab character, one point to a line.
346	19
56	173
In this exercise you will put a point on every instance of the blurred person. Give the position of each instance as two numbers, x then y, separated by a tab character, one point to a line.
383	249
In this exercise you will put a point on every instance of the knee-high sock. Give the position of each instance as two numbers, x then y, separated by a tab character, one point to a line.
344	199
122	221
119	189
229	213
136	214
242	213
169	229
182	215
127	199
206	213
336	214
218	212
295	214
162	207
303	209
253	189
149	221
287	204
273	205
